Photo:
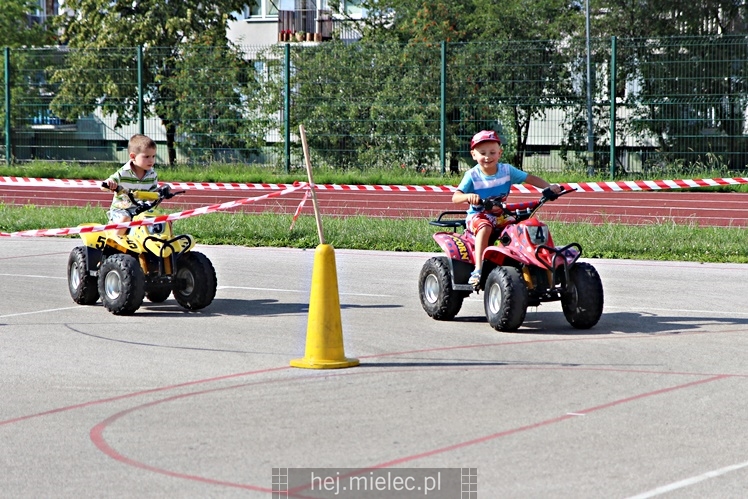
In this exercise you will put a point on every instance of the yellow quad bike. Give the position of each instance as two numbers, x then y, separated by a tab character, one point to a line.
148	261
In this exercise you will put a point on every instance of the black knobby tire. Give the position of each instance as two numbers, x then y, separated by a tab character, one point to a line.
82	286
121	284
195	283
505	299
158	293
438	298
582	302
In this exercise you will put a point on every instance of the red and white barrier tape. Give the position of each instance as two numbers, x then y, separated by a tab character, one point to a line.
283	189
155	220
620	186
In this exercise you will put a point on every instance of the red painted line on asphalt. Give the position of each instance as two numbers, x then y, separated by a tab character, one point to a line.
96	433
379	355
547	422
137	394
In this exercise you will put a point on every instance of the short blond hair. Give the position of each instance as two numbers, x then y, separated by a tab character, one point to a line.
139	143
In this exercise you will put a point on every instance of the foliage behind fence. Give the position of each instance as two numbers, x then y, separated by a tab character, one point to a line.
678	101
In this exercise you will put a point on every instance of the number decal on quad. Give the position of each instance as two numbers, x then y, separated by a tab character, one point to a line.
100	242
131	244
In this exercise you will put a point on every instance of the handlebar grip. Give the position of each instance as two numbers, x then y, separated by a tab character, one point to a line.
105	185
146	195
549	194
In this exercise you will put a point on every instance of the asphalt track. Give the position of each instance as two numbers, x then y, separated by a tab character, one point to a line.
628	207
165	403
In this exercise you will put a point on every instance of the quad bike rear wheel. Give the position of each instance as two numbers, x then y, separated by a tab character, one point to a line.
582	302
158	293
82	286
438	298
195	285
505	299
121	284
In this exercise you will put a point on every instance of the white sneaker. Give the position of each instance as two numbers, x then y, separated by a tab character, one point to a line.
474	280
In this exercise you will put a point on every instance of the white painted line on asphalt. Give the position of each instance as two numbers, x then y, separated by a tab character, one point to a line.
296	291
689	481
39	311
37	276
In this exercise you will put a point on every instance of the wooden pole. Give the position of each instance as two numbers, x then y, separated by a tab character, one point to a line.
311	183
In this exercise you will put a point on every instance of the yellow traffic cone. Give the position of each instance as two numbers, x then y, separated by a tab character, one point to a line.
324	333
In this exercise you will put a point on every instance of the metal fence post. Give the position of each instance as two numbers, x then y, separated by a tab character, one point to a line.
6	52
443	112
590	126
287	104
141	120
612	107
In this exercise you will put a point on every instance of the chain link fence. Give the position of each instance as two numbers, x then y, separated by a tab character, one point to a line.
666	103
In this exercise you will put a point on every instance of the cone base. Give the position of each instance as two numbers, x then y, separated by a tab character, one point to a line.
308	363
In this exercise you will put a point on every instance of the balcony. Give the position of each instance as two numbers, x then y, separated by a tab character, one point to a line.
317	25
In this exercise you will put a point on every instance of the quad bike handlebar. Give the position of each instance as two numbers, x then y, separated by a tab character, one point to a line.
521	211
145	200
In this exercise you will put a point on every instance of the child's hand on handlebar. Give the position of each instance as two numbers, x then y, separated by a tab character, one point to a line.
473	199
552	192
109	184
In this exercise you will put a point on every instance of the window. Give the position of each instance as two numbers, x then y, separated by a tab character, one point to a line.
353	7
261	9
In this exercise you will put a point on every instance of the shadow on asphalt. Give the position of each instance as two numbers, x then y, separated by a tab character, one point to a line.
616	323
238	308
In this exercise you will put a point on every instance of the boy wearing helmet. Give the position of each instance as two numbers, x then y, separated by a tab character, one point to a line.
486	179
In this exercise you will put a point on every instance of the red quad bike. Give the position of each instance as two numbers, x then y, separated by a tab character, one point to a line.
521	268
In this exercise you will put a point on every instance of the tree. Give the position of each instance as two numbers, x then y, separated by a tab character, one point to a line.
365	104
212	106
16	30
684	67
101	64
486	80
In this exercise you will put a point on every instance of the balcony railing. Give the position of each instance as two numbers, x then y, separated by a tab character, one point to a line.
316	25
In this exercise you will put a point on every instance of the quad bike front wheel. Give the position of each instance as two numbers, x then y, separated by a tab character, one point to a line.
82	286
438	298
505	299
582	302
195	283
121	284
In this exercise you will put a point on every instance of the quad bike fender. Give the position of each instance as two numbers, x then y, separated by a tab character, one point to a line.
458	247
92	239
499	254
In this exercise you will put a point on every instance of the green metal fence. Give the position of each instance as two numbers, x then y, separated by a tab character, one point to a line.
677	103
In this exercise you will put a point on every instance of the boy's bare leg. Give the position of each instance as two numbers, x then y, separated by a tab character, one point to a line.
121	232
481	242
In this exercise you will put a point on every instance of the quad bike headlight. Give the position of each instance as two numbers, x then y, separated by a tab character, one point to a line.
156	228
